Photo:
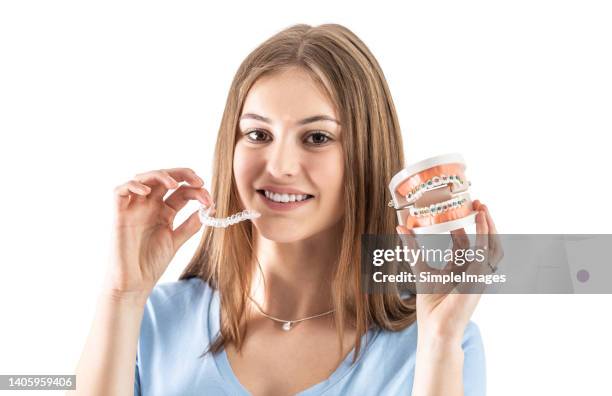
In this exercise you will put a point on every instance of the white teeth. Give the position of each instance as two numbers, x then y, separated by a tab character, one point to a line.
438	208
284	197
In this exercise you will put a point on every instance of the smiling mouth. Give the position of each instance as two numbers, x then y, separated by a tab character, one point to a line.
284	198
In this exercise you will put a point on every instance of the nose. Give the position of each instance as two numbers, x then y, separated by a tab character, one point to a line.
284	158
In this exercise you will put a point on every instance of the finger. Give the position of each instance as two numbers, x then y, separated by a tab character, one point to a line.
490	222
460	238
212	210
186	230
476	267
166	179
179	198
491	227
461	241
187	175
482	242
409	239
159	181
482	230
123	192
496	250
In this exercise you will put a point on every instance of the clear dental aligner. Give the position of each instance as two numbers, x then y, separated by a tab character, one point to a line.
205	218
438	208
433	183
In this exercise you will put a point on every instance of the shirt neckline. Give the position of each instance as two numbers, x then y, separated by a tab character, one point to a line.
227	373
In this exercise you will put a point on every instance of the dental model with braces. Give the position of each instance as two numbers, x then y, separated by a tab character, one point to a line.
433	183
431	196
205	219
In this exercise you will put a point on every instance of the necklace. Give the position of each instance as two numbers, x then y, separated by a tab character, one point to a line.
287	324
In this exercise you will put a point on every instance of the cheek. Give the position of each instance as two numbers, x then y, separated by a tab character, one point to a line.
330	175
245	167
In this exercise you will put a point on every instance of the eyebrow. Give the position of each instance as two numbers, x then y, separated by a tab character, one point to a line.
305	121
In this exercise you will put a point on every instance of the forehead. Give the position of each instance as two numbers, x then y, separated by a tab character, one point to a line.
287	96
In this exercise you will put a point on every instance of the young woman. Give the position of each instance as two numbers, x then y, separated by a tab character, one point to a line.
309	120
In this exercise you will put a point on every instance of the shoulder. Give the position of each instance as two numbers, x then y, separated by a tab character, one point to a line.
178	304
474	364
404	342
180	318
471	336
181	291
397	350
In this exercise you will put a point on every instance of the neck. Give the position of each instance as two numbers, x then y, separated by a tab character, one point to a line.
297	275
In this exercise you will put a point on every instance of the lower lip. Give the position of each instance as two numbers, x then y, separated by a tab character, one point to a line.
283	205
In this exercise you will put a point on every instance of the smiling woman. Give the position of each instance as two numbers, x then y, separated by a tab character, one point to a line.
309	139
304	107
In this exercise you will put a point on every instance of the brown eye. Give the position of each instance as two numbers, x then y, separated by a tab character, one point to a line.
318	138
256	135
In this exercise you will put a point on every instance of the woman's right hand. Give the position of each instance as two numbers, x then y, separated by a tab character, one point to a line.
144	241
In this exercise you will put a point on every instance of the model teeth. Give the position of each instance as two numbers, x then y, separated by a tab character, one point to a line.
432	183
285	197
438	208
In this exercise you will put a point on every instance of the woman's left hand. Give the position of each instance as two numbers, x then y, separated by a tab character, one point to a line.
443	317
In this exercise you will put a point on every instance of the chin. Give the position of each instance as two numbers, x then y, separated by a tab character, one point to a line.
283	233
291	231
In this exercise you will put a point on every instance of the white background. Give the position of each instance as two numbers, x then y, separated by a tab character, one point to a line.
93	93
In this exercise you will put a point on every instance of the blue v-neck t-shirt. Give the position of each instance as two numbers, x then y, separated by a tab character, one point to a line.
181	318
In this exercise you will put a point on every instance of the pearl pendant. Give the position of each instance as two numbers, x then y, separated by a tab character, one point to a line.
287	326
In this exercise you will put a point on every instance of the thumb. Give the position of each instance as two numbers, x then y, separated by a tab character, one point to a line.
186	230
406	236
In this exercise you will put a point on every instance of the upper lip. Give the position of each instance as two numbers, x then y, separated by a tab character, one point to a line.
282	190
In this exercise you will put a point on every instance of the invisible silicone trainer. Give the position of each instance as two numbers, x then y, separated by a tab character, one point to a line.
432	195
206	220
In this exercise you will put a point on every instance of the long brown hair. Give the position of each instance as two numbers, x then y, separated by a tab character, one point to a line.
340	63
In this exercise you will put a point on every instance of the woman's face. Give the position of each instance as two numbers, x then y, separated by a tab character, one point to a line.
283	150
